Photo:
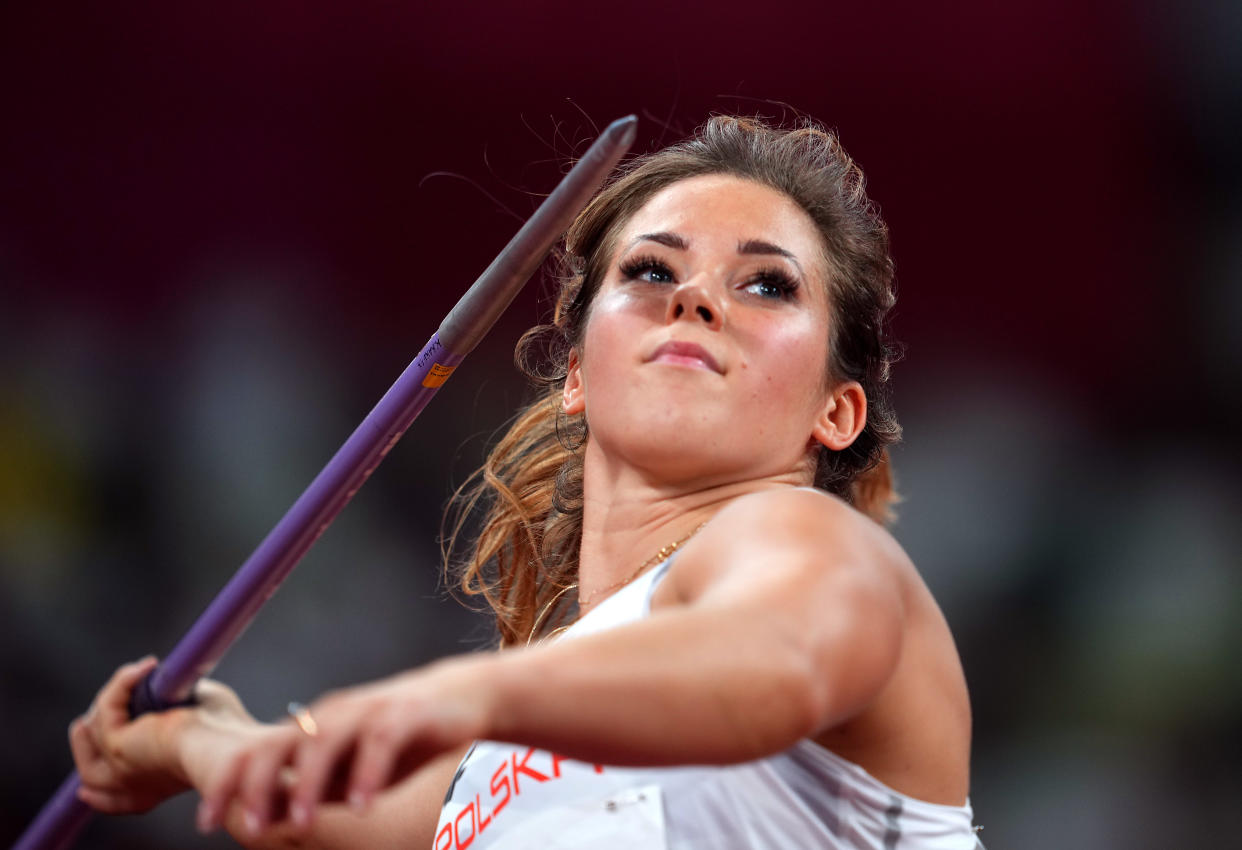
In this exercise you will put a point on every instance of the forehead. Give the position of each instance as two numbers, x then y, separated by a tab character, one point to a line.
729	209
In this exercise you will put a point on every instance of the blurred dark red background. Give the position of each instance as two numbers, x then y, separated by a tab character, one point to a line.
224	229
1012	148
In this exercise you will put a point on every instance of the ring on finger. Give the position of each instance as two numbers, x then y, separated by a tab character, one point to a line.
302	716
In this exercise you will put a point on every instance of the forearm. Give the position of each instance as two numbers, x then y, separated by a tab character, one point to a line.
685	686
405	816
335	828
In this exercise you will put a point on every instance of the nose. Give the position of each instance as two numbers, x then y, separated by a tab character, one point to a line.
690	300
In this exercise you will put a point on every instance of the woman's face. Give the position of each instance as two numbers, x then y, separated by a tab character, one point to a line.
705	354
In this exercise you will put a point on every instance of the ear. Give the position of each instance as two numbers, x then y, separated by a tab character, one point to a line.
843	418
573	396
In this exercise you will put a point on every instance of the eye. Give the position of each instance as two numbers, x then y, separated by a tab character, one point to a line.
648	269
772	284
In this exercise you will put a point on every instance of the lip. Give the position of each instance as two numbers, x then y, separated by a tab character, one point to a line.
685	354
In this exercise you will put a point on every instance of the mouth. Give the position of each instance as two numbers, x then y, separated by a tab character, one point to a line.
685	354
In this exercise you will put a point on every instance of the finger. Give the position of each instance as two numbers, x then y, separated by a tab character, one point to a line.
86	755
214	695
373	763
109	802
219	792
316	762
113	701
260	784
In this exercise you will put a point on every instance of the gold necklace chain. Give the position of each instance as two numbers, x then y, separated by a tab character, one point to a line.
657	558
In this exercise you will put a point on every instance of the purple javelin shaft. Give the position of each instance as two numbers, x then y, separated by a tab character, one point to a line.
197	653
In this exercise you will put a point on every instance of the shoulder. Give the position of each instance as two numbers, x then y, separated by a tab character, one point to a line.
798	535
805	524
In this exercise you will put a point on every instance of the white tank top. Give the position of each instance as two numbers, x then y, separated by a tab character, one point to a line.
507	797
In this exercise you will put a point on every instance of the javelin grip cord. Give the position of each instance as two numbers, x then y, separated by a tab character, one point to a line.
172	683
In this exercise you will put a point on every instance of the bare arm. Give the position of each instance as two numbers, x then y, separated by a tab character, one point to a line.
403	817
786	619
133	766
783	624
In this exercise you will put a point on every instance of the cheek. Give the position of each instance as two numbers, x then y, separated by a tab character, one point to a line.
620	301
794	354
613	324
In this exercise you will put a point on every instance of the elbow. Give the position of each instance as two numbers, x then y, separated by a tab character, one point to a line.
787	703
806	685
824	682
810	700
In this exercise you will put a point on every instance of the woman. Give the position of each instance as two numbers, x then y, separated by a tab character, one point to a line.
709	639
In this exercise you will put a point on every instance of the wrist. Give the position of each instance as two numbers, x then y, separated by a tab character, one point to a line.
503	678
470	689
170	734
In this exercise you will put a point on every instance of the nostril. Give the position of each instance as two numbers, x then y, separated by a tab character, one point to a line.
678	310
704	313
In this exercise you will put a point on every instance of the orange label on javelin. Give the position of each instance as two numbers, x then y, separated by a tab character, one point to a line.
438	375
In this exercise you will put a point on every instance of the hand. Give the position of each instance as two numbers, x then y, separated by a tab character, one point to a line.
367	739
131	766
125	766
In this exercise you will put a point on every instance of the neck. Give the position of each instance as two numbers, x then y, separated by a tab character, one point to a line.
629	516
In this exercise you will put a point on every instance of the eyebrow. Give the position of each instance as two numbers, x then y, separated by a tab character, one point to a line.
750	246
758	246
668	240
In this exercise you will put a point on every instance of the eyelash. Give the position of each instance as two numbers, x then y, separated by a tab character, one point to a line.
633	268
785	285
782	281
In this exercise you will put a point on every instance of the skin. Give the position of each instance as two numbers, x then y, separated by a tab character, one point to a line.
789	616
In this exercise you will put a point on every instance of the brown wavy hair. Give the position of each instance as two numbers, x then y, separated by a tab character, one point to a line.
524	562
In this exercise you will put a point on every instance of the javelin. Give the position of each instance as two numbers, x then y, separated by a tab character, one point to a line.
172	683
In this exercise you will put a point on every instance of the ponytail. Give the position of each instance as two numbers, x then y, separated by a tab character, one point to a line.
874	493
